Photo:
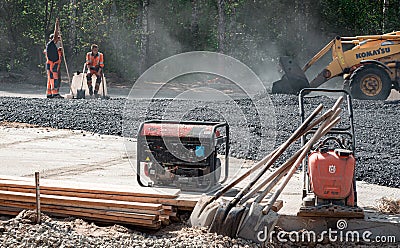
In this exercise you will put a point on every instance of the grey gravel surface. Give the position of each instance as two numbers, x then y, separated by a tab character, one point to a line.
73	233
256	126
22	231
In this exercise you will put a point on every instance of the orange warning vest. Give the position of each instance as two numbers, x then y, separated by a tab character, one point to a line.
95	60
53	74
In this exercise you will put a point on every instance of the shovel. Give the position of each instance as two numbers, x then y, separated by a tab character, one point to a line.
102	86
287	164
66	67
259	221
229	222
205	210
232	219
226	221
80	94
254	212
237	213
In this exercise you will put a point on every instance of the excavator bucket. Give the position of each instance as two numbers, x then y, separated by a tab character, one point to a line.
293	80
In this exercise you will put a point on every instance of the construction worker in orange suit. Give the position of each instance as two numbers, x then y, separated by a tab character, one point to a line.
53	63
95	65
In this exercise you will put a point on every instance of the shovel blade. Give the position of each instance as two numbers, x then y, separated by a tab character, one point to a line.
80	94
231	223
204	211
227	220
257	226
219	217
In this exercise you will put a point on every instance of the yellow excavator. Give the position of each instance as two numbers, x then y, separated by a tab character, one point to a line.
370	67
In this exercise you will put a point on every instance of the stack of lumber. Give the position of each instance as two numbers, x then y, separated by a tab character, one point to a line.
143	207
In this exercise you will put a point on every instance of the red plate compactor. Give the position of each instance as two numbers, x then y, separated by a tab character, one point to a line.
329	184
182	154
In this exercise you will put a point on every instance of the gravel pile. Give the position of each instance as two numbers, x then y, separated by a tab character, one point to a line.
23	232
256	127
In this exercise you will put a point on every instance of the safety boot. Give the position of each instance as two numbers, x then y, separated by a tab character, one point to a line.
91	90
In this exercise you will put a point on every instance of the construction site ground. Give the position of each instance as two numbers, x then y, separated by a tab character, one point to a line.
80	156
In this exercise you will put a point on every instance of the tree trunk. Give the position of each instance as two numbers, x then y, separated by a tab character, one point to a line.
8	11
385	14
194	25
11	38
72	30
221	26
47	20
144	44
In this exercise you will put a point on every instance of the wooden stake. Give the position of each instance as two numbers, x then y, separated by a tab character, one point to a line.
37	198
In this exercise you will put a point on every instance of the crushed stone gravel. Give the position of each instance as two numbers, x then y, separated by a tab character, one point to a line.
256	126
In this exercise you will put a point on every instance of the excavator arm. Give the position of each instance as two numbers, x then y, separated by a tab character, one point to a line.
366	48
295	80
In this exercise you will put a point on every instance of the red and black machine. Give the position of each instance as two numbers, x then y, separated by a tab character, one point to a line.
182	154
329	171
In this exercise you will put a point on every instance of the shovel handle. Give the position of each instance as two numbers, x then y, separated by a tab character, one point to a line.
268	163
66	67
275	181
325	127
267	159
278	174
83	74
287	163
270	178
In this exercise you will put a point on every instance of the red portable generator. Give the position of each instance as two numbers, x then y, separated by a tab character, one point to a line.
329	185
182	154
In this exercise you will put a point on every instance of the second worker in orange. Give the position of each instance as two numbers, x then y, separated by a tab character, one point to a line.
95	65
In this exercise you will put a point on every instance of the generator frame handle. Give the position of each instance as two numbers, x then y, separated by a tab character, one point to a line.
215	126
348	131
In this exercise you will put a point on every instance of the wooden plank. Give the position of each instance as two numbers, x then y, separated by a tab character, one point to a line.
47	184
75	201
102	216
111	212
155	226
165	220
25	185
183	208
10	210
179	202
165	207
93	195
126	214
13	211
277	205
98	214
138	211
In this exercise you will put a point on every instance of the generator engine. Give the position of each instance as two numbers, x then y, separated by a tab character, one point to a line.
182	154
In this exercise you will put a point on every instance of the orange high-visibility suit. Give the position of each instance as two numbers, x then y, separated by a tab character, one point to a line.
94	62
53	56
